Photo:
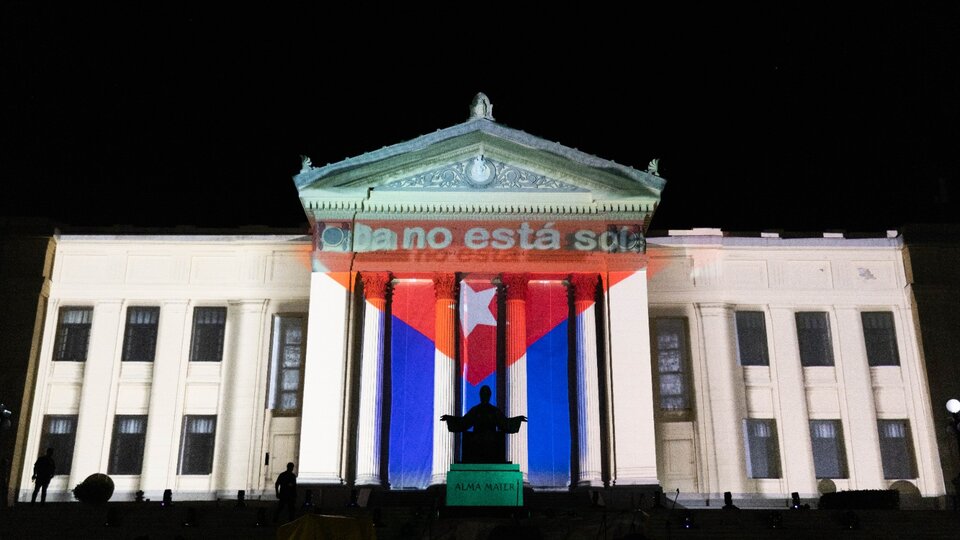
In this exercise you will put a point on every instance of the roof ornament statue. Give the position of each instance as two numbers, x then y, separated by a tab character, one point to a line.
305	164
654	167
481	107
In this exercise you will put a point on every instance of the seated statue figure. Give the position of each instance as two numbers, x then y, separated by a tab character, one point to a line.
485	444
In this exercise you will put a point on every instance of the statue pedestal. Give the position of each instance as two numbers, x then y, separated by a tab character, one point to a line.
484	484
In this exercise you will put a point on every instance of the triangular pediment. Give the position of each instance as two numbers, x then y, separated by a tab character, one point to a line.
479	167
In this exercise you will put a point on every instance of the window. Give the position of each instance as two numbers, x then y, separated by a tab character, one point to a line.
896	449
73	334
880	337
196	444
670	337
813	336
59	433
763	450
752	339
286	363
829	454
140	337
208	325
126	448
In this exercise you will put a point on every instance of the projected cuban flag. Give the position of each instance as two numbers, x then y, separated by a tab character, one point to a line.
478	339
548	400
411	384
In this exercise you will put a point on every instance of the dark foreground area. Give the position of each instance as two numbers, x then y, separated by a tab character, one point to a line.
547	516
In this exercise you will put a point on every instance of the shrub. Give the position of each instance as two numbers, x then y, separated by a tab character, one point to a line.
95	489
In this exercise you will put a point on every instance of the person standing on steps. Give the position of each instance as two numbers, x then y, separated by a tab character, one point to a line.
286	487
43	471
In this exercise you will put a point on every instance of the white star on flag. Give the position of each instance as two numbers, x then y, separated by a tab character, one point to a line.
476	308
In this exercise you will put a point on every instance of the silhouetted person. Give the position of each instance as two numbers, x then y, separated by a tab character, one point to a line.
488	423
286	487
43	471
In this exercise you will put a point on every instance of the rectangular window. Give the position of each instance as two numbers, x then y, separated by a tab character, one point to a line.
286	363
813	336
896	449
196	444
208	326
752	339
73	334
126	448
763	448
140	337
880	337
670	338
59	433
829	453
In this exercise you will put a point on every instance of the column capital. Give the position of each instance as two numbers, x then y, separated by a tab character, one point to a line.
444	286
584	287
248	305
516	285
375	285
715	308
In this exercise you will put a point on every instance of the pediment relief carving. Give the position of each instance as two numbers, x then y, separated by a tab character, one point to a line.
480	174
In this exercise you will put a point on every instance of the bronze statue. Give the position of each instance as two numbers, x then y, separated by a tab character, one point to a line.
485	444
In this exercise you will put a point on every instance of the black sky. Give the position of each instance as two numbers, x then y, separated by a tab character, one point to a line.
805	119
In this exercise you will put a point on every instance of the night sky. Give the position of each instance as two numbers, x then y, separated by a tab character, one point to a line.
763	118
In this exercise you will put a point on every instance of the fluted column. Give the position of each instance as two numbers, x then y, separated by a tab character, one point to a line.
516	285
99	372
726	396
866	467
162	420
375	286
588	382
444	374
239	410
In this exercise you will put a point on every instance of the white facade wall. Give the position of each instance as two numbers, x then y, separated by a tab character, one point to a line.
704	278
252	277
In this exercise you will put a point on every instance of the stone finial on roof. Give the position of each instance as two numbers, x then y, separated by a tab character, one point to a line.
481	107
654	167
305	164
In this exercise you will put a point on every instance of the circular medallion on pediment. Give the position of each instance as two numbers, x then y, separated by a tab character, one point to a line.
332	237
480	172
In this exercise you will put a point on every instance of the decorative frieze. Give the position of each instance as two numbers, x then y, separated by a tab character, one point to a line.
479	173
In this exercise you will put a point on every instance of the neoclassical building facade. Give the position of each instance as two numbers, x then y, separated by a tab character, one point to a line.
480	255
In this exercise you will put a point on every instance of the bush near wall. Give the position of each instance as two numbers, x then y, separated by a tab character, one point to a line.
861	499
96	489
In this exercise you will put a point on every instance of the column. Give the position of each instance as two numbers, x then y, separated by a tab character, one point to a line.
793	422
727	402
516	289
162	438
94	425
631	380
375	285
444	374
860	429
321	438
588	383
240	407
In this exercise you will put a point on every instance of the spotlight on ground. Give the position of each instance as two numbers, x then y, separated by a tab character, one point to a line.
167	498
241	498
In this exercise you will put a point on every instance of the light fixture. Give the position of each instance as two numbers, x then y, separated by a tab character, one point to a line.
953	405
6	416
